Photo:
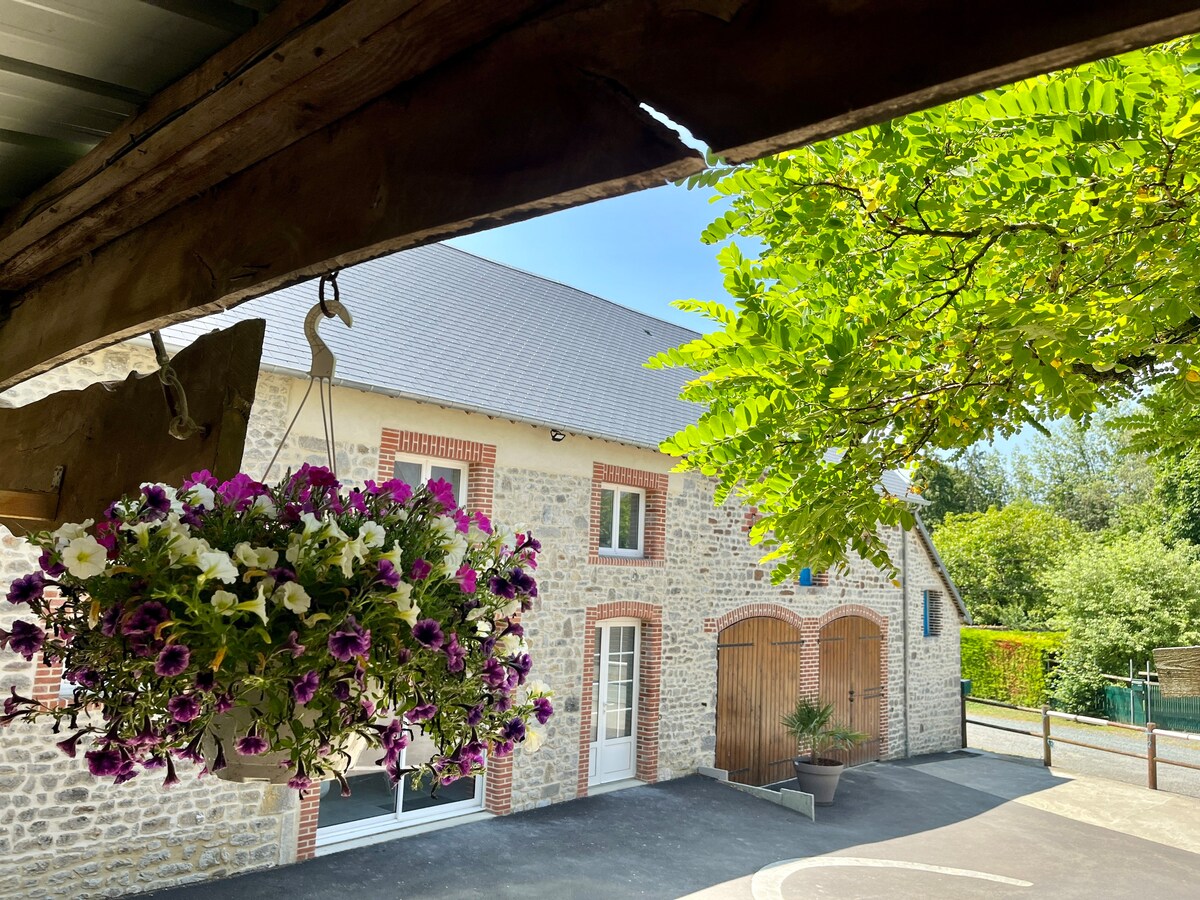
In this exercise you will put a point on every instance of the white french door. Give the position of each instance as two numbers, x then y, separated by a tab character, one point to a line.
614	701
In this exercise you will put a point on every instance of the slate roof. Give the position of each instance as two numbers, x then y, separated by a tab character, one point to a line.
440	325
444	326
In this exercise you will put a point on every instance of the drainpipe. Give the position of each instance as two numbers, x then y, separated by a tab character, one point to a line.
904	626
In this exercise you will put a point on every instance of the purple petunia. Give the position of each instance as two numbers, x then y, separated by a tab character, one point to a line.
240	491
250	745
292	645
25	638
104	762
206	680
388	573
203	477
501	587
420	570
428	633
30	587
146	618
156	504
49	566
493	673
394	736
173	660
304	688
281	575
475	715
467	578
483	523
442	492
353	640
521	665
515	730
68	746
542	709
184	707
462	521
421	712
456	656
523	582
400	491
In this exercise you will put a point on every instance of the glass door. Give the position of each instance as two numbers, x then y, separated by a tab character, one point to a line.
614	702
374	805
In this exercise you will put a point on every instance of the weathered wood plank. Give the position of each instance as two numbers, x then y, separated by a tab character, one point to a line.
110	438
399	172
216	73
316	77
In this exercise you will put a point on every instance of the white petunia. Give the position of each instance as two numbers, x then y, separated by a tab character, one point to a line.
244	555
293	596
85	557
201	496
71	531
141	532
410	615
535	687
265	505
267	558
402	595
533	740
224	602
372	534
216	565
352	552
395	556
446	526
312	525
258	605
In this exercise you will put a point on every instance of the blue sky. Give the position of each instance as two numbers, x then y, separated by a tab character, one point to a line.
641	250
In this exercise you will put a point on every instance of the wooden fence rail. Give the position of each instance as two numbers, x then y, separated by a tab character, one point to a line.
1152	733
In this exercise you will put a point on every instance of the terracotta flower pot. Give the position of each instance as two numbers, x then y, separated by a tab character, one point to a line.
820	780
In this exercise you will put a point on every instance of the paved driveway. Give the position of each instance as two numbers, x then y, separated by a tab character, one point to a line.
955	826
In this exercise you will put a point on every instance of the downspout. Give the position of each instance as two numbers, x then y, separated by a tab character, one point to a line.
904	626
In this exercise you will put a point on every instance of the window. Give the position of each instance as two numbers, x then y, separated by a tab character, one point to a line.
416	470
933	613
622	520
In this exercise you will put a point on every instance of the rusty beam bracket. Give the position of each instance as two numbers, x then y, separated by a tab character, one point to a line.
33	504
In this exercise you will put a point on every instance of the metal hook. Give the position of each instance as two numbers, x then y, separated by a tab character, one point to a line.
323	359
181	426
331	277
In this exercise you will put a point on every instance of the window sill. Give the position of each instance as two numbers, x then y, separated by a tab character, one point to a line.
597	559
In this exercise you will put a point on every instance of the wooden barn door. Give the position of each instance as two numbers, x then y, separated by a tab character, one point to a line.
758	681
851	680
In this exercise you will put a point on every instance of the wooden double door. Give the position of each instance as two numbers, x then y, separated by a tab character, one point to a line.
759	666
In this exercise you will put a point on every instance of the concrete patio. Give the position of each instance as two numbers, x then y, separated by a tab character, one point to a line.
955	825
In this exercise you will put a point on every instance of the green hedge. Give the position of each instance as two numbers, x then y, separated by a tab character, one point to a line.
1009	665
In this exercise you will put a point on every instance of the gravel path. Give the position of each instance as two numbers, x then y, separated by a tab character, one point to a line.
1082	760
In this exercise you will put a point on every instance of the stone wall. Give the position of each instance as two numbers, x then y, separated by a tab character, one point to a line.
62	834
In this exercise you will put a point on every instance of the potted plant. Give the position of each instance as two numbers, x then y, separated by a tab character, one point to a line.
268	632
813	726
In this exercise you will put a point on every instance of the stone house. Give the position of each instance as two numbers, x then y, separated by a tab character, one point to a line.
654	621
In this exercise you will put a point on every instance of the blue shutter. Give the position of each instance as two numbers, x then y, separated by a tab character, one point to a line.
806	577
925	595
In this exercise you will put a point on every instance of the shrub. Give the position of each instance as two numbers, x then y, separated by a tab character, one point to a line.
1011	666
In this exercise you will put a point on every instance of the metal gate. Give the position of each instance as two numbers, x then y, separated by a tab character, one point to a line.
851	680
758	682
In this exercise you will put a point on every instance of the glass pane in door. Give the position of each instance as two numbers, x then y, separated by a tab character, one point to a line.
372	795
430	794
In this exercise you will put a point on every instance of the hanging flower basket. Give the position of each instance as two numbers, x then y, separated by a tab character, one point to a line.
271	633
1178	671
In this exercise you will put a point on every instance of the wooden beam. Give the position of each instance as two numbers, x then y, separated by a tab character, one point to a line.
414	166
316	76
113	437
28	506
540	114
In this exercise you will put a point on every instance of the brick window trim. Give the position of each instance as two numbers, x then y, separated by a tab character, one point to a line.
810	636
649	686
479	457
654	538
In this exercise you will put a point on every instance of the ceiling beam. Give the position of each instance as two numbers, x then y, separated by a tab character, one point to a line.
397	173
319	74
93	86
747	76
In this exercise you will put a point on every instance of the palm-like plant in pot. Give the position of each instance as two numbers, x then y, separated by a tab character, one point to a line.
813	726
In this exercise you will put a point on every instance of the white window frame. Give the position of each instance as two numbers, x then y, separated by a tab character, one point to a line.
428	462
614	550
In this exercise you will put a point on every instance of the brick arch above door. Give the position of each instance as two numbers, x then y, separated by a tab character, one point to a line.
715	624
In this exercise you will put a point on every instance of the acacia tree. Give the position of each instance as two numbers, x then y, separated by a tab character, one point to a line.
1020	255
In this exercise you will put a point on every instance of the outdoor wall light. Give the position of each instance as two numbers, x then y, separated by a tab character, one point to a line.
556	435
